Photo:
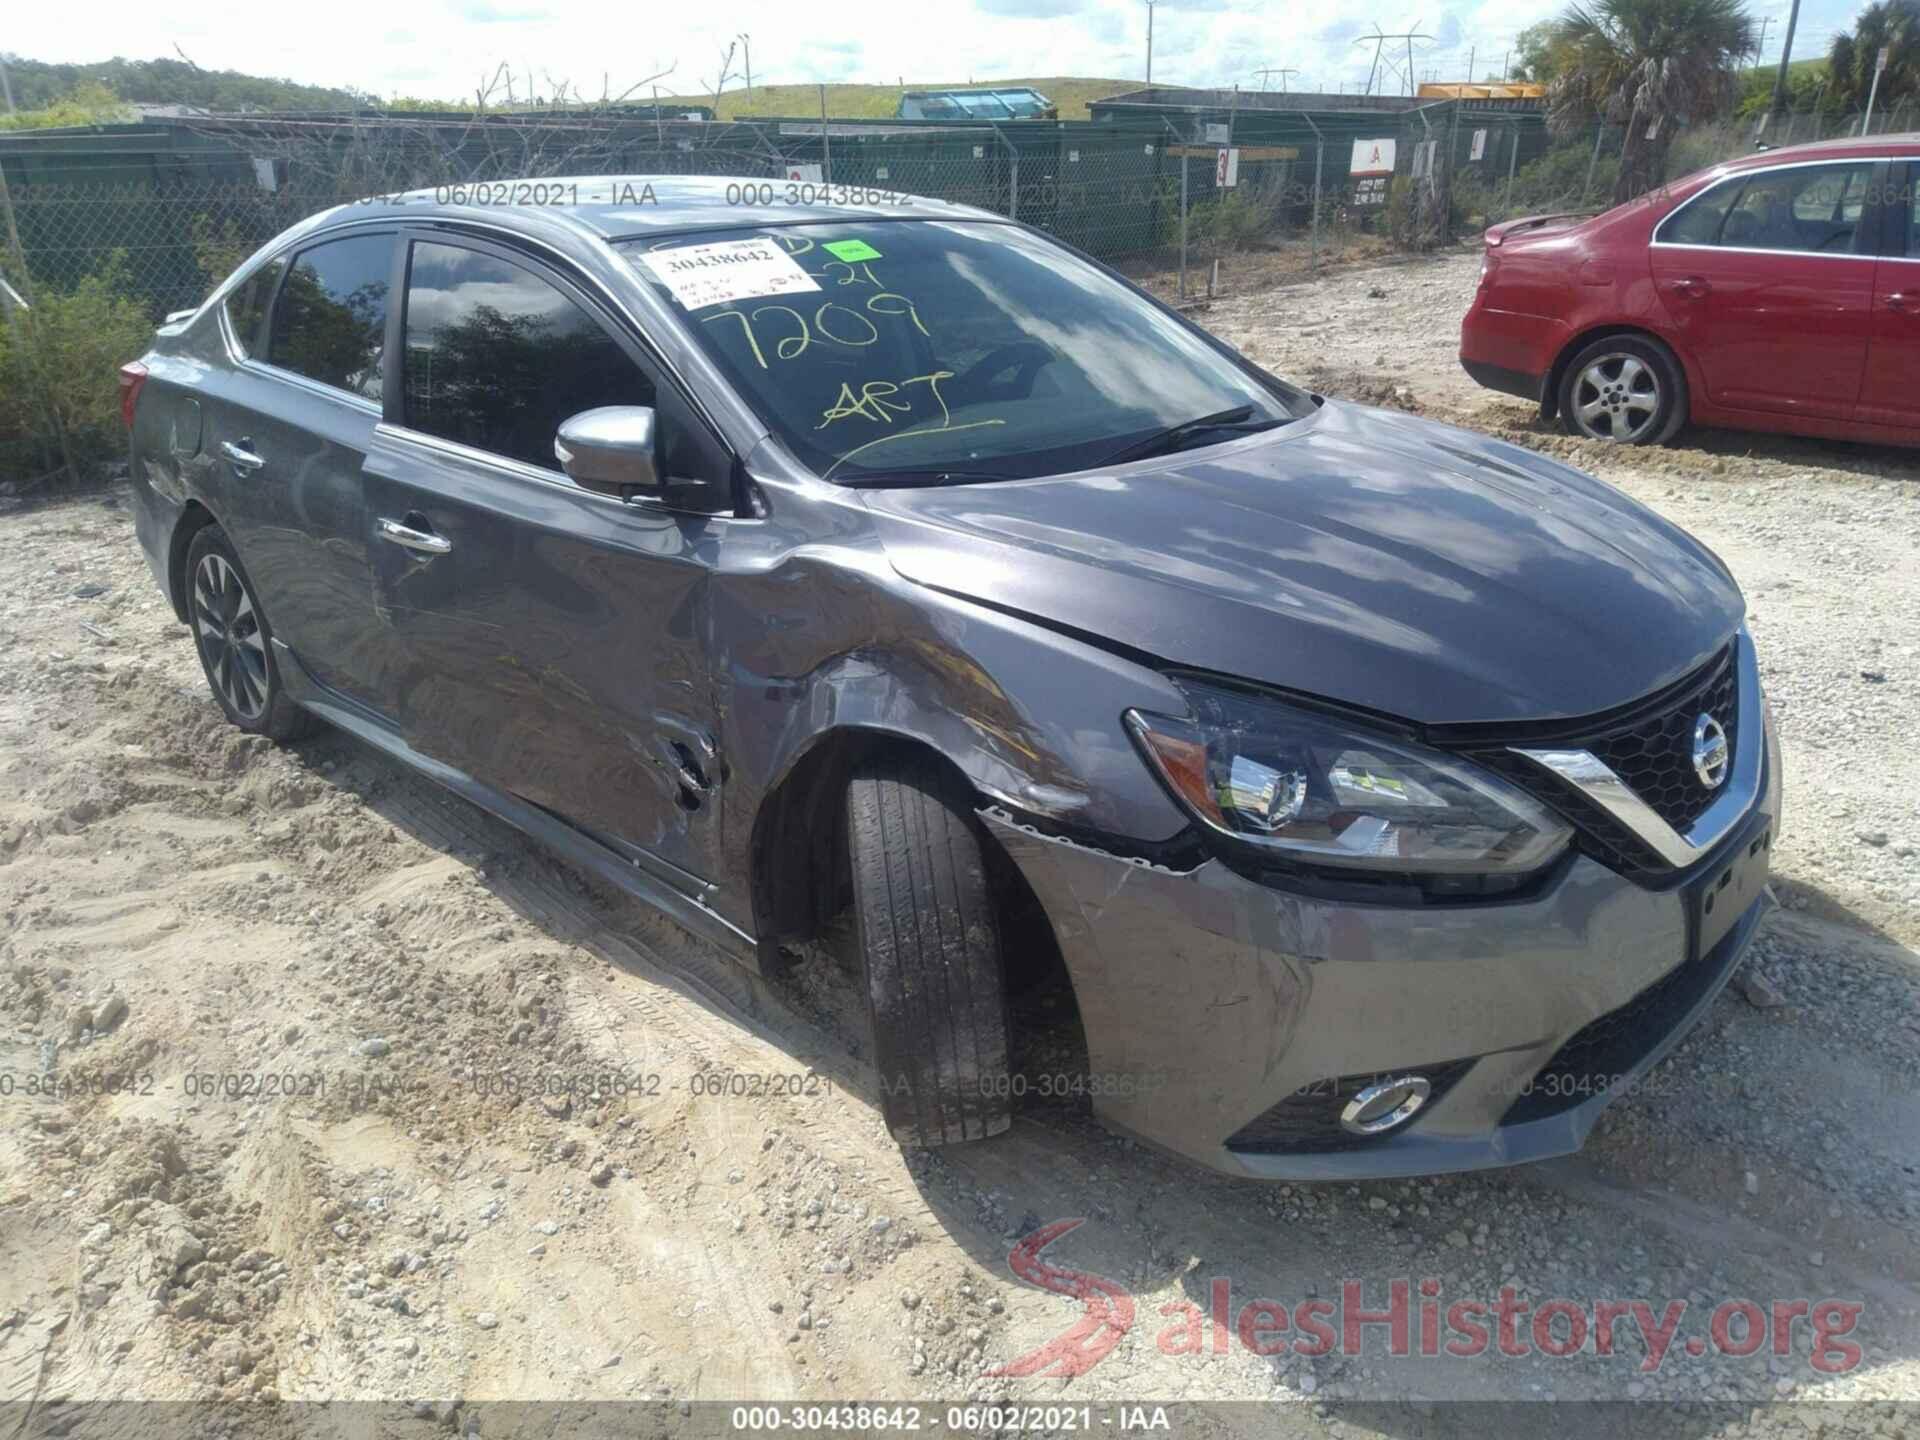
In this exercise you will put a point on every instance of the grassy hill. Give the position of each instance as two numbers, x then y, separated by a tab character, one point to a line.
878	102
1805	79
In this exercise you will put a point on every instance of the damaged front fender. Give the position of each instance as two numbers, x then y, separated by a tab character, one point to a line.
828	641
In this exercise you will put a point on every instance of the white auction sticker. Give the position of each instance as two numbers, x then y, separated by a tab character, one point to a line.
702	275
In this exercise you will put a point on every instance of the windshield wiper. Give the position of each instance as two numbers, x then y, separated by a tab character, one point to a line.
1174	436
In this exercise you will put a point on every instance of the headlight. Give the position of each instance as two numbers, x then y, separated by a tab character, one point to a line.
1325	793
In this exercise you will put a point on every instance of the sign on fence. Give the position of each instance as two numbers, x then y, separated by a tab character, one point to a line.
1479	145
1373	157
803	172
1372	168
1226	168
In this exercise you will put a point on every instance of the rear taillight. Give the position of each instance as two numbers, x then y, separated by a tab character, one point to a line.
132	376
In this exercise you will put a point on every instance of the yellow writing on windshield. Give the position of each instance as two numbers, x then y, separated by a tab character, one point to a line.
876	400
834	323
872	403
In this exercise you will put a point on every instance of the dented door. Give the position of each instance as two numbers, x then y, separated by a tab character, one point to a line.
550	641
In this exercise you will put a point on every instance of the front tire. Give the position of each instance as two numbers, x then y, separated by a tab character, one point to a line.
235	641
929	939
1625	389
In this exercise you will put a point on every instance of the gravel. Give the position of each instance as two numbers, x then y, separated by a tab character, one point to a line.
272	911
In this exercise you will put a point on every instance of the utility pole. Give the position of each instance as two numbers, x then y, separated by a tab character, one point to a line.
1472	50
1760	50
746	50
1267	70
7	85
1879	68
1786	57
1150	5
1378	41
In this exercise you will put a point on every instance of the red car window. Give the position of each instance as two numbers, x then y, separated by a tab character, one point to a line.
1814	208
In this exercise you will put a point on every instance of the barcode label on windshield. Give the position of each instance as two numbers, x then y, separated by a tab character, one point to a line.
703	275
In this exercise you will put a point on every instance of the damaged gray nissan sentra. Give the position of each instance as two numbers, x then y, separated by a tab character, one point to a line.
1386	798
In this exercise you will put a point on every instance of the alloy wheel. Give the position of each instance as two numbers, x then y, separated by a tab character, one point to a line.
227	626
1617	397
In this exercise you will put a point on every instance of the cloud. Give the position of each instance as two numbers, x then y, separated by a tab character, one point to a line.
1030	9
485	12
1203	43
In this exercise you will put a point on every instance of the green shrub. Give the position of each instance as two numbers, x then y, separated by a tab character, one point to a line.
88	103
219	251
1237	219
1556	181
59	372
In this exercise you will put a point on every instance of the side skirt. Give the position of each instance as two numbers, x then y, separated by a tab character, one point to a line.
551	831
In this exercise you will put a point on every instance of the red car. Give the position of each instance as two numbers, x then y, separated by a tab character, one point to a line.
1779	291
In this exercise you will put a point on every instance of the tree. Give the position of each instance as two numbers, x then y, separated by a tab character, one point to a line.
172	82
1891	23
1650	65
1533	53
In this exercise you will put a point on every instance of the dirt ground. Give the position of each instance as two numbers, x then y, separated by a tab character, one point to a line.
394	1200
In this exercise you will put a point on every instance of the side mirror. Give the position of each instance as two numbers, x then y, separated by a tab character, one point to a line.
609	449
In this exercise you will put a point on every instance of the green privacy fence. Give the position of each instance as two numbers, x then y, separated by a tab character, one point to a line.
149	220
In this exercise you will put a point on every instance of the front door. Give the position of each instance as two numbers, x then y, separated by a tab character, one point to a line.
1768	279
552	641
1891	392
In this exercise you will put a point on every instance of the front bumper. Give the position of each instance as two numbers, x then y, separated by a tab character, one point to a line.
1209	999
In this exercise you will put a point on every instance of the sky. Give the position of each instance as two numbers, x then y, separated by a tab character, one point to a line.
442	48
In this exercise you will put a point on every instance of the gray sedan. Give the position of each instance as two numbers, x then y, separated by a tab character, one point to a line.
1385	799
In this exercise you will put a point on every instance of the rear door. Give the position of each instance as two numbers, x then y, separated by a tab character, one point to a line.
547	639
1891	393
286	432
1768	278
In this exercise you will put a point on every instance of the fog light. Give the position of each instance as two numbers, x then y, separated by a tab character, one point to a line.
1386	1105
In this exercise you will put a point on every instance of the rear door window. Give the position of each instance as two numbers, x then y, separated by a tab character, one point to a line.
1814	209
1698	221
247	305
497	357
330	322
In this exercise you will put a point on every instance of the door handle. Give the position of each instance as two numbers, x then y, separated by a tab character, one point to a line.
425	541
240	456
1899	300
1689	287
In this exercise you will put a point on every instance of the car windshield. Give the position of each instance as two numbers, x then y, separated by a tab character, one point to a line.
945	352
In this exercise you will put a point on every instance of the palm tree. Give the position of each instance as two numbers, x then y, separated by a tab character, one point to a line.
1894	24
1650	65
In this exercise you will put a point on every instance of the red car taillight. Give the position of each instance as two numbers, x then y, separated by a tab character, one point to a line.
132	376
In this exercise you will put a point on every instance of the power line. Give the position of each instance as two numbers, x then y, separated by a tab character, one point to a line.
1379	41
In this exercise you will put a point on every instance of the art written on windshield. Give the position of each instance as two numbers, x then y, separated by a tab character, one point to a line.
767	318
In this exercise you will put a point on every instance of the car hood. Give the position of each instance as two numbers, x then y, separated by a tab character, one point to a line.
1361	555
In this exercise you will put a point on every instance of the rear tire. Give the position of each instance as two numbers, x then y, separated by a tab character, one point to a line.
930	943
235	641
1626	389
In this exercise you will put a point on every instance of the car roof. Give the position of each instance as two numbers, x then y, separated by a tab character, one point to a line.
616	207
1845	148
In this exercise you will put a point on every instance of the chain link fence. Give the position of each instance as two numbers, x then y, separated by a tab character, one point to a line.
100	262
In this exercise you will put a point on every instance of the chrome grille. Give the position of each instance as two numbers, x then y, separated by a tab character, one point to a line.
1648	744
